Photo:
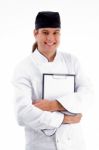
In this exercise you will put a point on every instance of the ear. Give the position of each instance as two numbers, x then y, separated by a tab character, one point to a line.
35	32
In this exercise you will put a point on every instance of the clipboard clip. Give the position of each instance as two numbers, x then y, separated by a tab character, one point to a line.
59	76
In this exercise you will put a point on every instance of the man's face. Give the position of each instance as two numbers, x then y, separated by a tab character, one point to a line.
47	39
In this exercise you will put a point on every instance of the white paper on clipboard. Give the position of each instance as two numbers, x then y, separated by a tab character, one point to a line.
57	85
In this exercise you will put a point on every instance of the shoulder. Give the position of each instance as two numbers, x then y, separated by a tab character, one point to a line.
24	63
24	67
71	61
69	57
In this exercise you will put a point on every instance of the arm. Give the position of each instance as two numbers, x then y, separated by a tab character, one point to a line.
48	105
54	105
27	114
79	101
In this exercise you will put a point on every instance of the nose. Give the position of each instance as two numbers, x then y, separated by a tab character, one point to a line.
50	37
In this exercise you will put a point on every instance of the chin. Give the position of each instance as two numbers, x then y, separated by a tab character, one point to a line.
51	50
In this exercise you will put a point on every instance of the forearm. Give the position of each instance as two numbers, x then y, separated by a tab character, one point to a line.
30	116
48	105
55	106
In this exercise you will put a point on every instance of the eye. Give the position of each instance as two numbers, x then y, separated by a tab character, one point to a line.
45	33
56	33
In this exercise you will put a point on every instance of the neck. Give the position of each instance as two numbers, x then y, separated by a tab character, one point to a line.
50	56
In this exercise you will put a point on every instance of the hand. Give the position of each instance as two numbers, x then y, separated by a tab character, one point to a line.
72	119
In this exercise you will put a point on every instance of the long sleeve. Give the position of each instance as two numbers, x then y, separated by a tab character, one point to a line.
27	114
79	101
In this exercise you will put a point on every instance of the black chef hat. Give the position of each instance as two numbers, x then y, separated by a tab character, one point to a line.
47	19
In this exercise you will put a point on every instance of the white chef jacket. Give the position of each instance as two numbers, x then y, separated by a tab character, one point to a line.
28	88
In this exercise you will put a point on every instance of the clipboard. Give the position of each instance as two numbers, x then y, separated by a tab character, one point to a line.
54	86
57	85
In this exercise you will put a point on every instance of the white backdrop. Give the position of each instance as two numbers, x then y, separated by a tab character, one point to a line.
80	36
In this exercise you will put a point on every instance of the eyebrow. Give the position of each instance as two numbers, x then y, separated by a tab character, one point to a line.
57	30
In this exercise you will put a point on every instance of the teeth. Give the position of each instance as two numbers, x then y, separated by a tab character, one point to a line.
49	44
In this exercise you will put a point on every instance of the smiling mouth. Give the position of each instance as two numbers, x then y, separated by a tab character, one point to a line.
50	44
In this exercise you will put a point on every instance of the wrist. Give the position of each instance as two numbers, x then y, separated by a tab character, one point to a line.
56	106
59	106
